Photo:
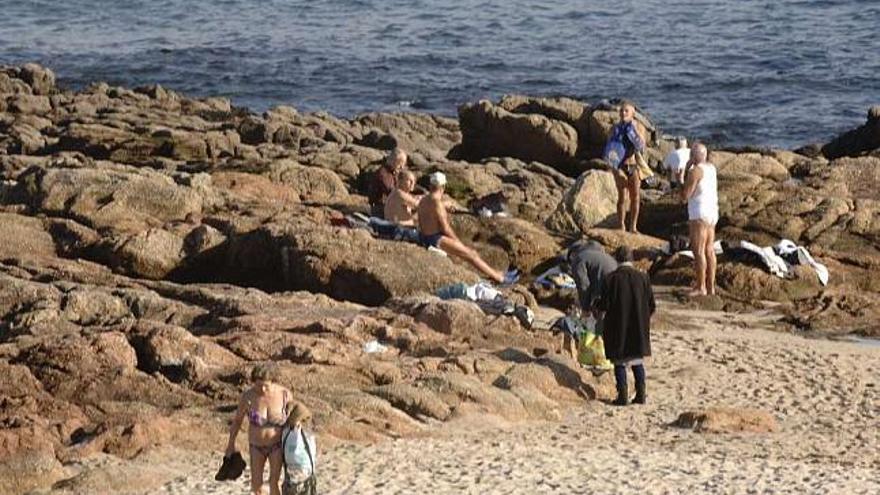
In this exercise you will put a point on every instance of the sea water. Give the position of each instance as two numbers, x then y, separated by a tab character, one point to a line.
781	73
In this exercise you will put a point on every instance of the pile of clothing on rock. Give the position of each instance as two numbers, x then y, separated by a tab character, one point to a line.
490	205
489	299
778	259
556	278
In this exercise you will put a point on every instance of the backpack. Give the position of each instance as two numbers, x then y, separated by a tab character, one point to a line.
299	452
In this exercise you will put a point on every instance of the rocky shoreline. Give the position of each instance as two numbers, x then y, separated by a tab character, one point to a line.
154	247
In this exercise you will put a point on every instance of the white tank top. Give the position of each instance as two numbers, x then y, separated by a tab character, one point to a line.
703	204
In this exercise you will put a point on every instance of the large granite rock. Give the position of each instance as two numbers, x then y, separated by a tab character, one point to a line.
345	264
590	202
430	136
24	236
489	130
109	196
865	138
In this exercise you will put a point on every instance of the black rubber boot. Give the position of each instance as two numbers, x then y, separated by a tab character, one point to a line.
622	390
640	397
639	374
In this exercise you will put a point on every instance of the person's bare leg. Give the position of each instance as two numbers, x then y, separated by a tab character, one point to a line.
620	182
275	465
699	250
634	187
258	461
456	248
711	261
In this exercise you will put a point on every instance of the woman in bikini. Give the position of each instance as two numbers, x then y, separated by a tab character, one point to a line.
627	177
265	404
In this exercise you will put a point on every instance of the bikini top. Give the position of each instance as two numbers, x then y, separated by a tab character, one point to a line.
257	419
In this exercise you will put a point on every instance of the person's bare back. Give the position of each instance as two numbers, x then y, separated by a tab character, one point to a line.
432	215
435	231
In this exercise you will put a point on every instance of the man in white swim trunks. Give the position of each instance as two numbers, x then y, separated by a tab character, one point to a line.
701	193
675	162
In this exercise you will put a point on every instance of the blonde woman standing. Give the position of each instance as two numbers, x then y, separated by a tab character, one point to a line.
626	175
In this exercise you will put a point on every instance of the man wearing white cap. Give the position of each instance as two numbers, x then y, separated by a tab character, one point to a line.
435	231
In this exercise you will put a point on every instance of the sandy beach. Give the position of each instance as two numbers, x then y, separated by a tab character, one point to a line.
824	395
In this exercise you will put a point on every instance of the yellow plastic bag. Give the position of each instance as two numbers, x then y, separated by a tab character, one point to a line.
591	352
642	165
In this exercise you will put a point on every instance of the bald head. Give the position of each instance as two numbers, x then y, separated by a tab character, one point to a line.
699	152
396	159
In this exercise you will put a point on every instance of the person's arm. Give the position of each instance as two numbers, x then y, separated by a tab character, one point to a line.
235	426
409	200
602	303
582	281
652	305
692	178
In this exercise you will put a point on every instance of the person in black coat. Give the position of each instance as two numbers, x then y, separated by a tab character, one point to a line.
628	302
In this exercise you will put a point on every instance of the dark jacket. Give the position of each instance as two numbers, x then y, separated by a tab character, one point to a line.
628	302
382	183
589	266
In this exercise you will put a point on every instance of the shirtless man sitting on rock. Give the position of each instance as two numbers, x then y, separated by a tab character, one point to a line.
401	203
435	231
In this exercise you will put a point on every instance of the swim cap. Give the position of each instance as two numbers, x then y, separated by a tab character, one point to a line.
437	179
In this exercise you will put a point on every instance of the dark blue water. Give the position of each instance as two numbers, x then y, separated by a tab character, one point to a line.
734	72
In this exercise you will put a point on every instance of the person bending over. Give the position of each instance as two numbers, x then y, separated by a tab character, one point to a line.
435	231
701	193
589	264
